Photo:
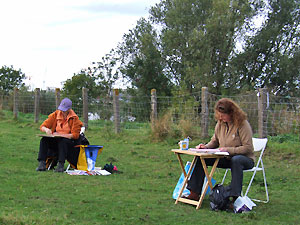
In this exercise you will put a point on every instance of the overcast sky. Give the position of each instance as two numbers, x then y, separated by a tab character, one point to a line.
50	40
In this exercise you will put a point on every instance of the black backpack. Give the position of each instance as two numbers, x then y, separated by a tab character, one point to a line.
83	140
219	197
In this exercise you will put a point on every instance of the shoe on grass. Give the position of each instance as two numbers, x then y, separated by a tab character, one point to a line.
193	196
60	168
42	166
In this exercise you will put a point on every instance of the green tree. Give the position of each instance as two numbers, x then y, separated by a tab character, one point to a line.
271	57
99	78
141	61
10	78
105	73
199	37
142	65
72	88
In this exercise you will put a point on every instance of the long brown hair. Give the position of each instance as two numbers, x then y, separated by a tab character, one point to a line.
228	106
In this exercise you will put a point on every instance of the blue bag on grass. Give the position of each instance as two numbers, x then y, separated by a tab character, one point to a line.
181	180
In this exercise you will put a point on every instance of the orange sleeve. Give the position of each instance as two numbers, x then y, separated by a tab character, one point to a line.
76	127
50	122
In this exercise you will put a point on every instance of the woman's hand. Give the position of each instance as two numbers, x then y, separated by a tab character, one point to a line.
201	146
47	130
223	149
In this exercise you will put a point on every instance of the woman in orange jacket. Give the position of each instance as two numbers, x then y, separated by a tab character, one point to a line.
63	127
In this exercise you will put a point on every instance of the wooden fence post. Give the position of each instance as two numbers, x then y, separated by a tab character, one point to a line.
153	106
16	99
204	112
262	113
116	110
85	110
36	105
57	97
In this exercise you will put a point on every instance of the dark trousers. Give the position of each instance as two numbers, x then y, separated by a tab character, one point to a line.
56	146
237	164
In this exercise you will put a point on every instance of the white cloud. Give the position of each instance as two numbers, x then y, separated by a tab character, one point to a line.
50	40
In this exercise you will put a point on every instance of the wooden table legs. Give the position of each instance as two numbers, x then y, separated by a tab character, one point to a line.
187	175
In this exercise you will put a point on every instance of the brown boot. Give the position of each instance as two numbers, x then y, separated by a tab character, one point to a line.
193	196
231	202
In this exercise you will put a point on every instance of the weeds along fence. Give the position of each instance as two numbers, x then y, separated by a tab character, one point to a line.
177	115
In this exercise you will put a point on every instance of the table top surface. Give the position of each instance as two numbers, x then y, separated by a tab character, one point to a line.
202	154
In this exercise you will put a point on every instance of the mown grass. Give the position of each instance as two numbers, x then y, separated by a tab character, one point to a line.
142	194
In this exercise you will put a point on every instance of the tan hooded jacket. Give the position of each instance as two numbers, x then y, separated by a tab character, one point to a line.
238	141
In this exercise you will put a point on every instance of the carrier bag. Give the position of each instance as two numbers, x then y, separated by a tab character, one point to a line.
179	184
243	204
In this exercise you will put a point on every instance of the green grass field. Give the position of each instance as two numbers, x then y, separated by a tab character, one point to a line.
142	194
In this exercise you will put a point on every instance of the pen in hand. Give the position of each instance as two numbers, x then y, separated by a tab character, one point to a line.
201	146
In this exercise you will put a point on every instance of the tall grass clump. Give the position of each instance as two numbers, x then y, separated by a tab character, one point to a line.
188	128
1	114
165	127
162	127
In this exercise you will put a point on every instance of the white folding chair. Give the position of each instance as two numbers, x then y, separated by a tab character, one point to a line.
259	145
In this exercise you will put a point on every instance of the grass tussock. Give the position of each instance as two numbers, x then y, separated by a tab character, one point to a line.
186	127
162	127
165	127
1	114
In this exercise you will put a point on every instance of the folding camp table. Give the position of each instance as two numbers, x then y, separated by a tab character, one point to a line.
202	157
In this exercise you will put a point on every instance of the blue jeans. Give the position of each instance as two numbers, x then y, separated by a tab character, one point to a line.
237	164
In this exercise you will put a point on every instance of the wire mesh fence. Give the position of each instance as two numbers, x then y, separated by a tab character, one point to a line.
283	113
189	108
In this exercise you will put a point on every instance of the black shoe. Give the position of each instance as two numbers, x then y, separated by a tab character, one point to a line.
42	166
60	168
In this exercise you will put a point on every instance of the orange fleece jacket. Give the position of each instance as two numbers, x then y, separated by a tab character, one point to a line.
74	123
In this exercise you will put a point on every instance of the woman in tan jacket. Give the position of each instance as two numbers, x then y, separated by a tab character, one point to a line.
63	127
233	134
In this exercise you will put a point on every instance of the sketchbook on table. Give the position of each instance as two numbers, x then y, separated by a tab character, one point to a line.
209	150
